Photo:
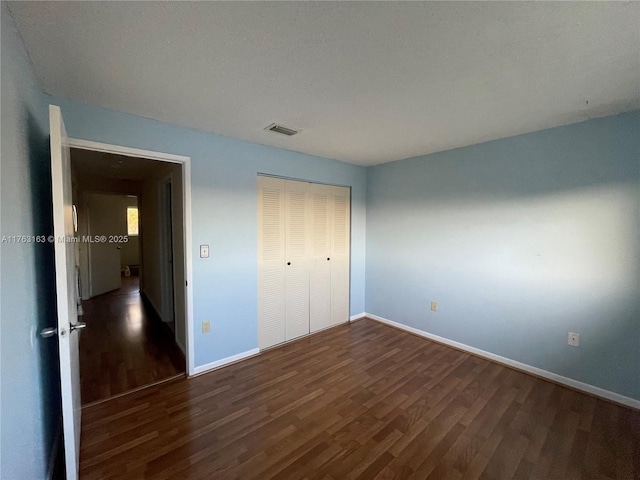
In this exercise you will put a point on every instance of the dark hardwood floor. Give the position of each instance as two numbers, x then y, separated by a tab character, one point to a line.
360	401
124	346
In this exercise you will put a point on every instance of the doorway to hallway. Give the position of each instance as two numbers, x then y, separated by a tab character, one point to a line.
136	325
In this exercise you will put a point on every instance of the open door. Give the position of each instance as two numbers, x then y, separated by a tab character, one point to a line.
65	263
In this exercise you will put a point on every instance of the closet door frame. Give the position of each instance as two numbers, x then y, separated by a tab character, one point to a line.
267	341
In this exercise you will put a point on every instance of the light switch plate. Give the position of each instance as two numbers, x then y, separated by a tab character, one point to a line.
204	251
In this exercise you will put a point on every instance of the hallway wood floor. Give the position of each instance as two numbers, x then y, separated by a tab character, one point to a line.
360	401
124	346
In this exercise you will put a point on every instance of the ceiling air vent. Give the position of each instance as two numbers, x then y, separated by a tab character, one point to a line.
274	127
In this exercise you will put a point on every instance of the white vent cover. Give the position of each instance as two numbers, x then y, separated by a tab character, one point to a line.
274	127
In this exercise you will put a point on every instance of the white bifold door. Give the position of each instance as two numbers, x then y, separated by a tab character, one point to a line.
303	258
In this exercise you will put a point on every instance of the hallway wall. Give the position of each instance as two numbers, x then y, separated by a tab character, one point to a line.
152	238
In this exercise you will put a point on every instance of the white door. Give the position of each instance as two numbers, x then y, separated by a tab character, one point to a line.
271	261
340	250
297	221
320	267
106	218
65	264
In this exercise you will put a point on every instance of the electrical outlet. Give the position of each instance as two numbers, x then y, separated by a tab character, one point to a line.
206	327
434	306
573	339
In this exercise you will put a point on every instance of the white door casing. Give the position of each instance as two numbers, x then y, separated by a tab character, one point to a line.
185	163
65	264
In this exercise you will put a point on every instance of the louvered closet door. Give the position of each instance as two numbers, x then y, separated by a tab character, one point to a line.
320	268
298	248
340	200
271	261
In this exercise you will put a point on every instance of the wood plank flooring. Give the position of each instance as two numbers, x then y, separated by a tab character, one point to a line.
360	401
124	345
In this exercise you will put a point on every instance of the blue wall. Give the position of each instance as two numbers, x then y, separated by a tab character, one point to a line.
224	214
29	390
519	241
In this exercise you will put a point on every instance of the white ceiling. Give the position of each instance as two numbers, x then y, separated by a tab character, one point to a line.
366	82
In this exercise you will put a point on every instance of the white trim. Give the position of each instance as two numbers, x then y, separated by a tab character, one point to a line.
186	205
225	361
126	151
584	387
188	268
358	316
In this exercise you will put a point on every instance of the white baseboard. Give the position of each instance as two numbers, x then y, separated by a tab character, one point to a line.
358	316
225	361
584	387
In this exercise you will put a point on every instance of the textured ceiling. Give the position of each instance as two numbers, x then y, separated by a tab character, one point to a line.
366	82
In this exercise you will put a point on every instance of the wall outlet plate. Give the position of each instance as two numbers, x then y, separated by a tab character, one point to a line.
204	251
573	339
434	306
206	327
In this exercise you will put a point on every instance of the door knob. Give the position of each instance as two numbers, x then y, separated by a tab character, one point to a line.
78	326
48	332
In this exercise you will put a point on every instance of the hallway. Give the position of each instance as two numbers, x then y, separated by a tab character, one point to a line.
125	346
